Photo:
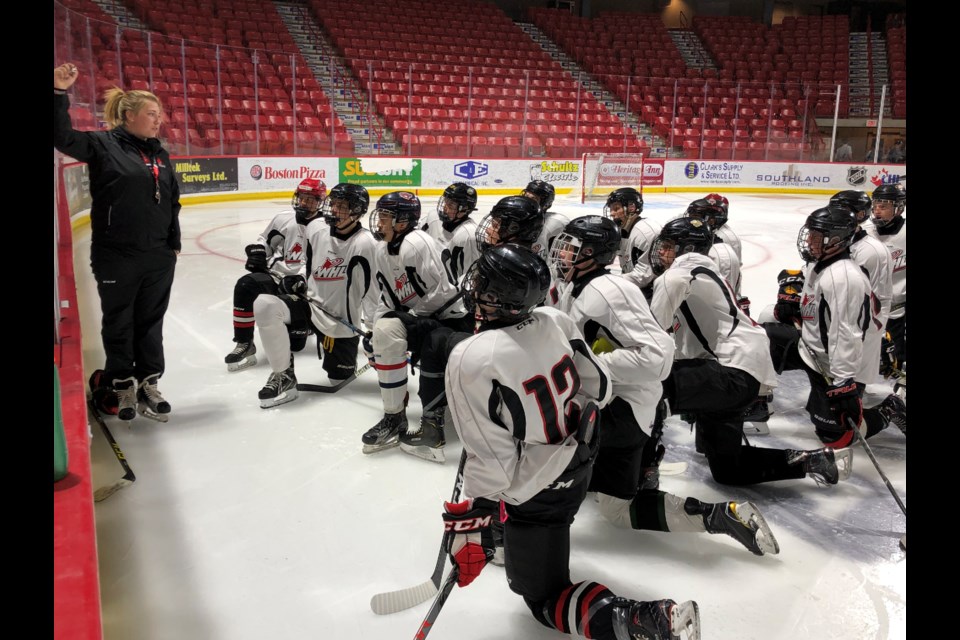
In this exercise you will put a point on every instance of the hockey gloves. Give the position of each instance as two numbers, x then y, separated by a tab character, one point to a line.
889	367
256	258
293	285
367	345
470	544
744	304
787	309
843	397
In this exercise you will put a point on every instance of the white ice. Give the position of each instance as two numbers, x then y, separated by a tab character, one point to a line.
252	524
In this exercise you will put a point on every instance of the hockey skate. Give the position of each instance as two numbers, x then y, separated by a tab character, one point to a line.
281	388
102	395
655	620
742	522
894	411
126	390
150	404
242	357
826	466
426	440
386	433
755	417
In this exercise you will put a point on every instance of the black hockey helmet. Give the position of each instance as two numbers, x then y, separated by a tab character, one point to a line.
710	210
307	199
857	201
677	237
400	206
513	219
827	232
354	196
462	194
894	193
510	279
543	191
625	196
583	239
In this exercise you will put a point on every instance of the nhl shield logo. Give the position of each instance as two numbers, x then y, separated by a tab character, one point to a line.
856	175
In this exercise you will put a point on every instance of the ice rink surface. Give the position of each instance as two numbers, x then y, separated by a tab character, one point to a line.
253	524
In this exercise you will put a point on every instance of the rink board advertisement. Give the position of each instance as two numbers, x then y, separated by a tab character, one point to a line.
501	174
779	176
205	175
382	171
284	174
76	178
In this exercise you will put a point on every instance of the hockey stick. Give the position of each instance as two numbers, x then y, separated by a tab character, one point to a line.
321	388
128	478
394	601
857	435
438	603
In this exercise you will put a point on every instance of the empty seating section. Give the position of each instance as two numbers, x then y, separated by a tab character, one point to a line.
897	63
488	91
239	60
236	82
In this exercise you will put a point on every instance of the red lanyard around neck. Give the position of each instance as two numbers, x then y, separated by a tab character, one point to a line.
155	170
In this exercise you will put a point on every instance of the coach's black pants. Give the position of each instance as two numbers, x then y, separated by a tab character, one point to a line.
134	293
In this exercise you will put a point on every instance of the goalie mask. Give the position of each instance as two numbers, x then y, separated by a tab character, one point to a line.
677	237
889	201
857	201
395	215
585	242
541	191
505	284
624	207
345	204
827	232
458	201
513	219
307	199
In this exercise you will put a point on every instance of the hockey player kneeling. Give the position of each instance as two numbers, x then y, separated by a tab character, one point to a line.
722	359
524	394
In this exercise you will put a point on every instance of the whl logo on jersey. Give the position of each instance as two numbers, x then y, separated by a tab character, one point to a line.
808	308
403	290
331	269
295	254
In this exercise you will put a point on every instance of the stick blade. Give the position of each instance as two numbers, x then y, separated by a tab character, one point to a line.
394	601
103	493
673	468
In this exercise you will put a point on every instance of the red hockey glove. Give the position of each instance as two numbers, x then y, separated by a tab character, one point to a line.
844	400
471	546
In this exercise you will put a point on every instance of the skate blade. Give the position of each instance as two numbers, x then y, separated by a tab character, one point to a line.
685	618
243	364
426	453
749	515
289	396
375	448
756	428
844	461
157	417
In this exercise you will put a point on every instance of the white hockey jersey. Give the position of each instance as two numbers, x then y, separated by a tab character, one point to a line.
415	280
728	264
894	237
607	306
730	237
636	244
836	312
699	304
553	226
459	244
509	391
340	276
285	242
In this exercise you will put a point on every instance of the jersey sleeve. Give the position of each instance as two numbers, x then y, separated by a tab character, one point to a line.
669	292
